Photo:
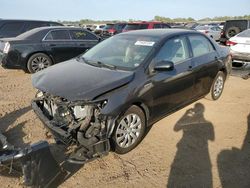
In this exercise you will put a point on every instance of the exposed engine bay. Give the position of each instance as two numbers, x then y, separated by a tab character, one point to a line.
79	125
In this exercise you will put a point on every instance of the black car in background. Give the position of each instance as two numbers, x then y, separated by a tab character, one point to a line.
125	84
13	28
232	28
42	47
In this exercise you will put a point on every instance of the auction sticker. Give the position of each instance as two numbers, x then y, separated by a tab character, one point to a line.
144	43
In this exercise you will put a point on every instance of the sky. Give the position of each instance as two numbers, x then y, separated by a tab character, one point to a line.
74	10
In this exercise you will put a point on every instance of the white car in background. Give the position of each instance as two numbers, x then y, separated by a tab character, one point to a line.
212	31
98	28
240	47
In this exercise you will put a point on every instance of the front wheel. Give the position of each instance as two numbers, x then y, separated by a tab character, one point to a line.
129	130
217	87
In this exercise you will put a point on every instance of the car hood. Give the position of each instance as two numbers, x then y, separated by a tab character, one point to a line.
74	80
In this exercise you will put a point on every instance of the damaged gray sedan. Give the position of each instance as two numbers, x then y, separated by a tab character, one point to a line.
106	98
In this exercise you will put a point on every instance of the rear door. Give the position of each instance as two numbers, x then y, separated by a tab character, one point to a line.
172	89
83	39
205	63
59	45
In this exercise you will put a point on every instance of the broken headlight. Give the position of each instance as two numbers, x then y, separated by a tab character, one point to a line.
80	112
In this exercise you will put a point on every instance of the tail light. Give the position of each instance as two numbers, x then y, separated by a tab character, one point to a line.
206	32
230	43
111	31
6	47
221	33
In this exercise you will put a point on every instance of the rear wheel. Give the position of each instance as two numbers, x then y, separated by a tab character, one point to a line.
129	131
37	62
217	87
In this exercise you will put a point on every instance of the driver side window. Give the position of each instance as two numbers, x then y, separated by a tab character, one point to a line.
175	50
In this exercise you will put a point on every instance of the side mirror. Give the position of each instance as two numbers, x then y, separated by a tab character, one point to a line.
164	66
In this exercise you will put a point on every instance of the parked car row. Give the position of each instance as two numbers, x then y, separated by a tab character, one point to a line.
34	50
112	29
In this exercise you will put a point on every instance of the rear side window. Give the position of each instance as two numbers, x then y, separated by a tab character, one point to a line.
200	45
175	50
143	26
54	24
119	26
58	35
33	25
81	35
165	26
157	26
132	26
11	29
215	28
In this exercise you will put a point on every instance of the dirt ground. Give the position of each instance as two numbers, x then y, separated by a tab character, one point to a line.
206	144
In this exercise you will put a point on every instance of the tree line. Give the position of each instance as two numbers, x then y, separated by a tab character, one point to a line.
158	18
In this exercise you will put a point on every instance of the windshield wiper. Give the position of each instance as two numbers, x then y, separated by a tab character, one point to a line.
106	65
98	63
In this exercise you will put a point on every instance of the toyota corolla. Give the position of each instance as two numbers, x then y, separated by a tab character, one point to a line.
107	98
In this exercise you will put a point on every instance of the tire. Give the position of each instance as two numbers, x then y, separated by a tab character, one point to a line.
217	87
38	61
232	31
125	138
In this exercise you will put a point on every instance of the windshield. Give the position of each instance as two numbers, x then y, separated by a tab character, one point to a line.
245	33
124	52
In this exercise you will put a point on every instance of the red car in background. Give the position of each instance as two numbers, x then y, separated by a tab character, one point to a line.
112	29
145	25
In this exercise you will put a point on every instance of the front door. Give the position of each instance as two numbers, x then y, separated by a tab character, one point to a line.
172	89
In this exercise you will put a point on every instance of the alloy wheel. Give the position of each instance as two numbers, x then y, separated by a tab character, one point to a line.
39	63
128	130
218	86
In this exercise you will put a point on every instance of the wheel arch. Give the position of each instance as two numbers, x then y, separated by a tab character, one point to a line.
144	108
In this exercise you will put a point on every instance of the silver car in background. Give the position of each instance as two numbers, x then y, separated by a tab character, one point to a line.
240	47
212	31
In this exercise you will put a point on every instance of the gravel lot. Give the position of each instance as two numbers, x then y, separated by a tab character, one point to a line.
210	148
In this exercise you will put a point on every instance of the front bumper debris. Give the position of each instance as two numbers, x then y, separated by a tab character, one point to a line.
38	166
89	140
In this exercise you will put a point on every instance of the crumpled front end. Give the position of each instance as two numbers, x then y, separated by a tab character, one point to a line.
79	125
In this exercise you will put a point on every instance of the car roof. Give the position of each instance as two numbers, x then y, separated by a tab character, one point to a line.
19	20
160	33
41	31
53	28
147	22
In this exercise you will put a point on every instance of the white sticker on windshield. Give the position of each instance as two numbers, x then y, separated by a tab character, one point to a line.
144	43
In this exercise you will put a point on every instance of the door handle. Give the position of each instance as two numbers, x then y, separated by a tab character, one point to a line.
52	44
